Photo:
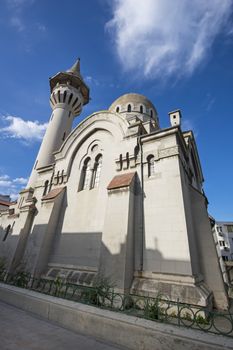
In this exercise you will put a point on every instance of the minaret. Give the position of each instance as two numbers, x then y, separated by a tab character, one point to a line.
68	94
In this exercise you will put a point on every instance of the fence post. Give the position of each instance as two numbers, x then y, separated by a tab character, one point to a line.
178	307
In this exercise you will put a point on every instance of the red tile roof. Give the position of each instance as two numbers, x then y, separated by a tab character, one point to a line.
6	203
119	181
53	194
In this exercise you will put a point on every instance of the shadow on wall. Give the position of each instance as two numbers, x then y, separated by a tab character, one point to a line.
80	256
7	247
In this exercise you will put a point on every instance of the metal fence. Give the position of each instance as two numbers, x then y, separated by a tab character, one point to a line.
158	309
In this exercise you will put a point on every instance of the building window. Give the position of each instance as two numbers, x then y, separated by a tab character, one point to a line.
136	151
219	229
129	108
225	258
151	165
121	161
127	159
7	231
141	109
222	243
97	171
85	175
151	113
229	228
46	185
118	109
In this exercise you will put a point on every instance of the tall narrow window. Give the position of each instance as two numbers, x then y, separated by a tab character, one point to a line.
121	162
127	159
85	175
129	108
136	151
151	165
46	185
97	171
141	109
6	232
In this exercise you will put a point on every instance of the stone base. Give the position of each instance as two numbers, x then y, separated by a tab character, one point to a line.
190	293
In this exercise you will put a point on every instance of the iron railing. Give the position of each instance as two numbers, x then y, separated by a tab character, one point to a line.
158	309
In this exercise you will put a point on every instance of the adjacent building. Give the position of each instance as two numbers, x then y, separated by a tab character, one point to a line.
5	202
223	235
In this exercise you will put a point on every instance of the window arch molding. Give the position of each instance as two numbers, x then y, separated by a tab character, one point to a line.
96	171
85	177
142	109
118	109
129	108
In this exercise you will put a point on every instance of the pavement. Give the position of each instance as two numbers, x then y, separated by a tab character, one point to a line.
25	331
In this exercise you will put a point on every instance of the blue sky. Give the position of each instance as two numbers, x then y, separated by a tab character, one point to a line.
177	53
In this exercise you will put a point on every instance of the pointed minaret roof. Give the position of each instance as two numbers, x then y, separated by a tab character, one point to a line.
75	69
74	77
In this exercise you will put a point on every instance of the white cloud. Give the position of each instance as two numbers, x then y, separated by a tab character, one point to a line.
20	180
12	187
17	19
17	23
91	80
21	129
160	38
4	177
5	183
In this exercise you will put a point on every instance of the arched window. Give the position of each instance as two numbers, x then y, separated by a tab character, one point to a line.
151	113
121	162
129	108
151	165
136	151
85	175
46	185
118	109
127	159
97	171
6	232
141	109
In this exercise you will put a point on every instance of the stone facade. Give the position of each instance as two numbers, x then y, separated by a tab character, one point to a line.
117	197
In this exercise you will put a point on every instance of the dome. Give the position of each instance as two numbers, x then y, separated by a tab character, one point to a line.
133	103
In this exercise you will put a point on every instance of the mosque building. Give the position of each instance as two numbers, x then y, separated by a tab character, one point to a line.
118	197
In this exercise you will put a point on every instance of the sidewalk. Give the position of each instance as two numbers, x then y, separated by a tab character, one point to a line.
23	331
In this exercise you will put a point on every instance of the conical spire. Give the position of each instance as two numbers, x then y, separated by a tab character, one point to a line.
73	77
75	69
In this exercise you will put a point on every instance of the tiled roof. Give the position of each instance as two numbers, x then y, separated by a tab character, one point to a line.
119	181
53	194
6	203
